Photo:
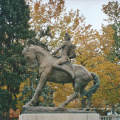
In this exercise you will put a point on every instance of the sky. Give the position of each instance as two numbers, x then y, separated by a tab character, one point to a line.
91	10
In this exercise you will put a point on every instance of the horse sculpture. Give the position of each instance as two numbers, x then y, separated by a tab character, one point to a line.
37	54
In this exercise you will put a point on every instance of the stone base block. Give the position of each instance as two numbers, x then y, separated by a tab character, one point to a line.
60	116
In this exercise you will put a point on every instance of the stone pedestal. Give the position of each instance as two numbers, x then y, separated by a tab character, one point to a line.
59	116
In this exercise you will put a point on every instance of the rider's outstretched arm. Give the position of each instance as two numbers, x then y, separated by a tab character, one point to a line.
58	49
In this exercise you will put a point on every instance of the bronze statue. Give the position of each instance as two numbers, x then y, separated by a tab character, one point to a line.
48	72
66	48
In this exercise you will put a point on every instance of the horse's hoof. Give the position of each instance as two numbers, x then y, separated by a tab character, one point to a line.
27	104
61	105
61	109
25	107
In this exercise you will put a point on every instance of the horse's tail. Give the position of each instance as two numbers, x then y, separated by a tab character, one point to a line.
95	86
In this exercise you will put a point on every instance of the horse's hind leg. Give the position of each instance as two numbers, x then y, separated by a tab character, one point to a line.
77	86
88	102
75	94
82	92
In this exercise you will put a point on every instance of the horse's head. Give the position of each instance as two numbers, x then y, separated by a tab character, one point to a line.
29	55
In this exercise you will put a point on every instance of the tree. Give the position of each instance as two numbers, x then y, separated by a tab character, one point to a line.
14	29
93	53
44	14
112	10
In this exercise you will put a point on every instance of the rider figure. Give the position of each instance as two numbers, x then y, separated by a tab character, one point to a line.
66	46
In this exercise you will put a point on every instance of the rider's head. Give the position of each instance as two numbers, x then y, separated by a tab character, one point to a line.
67	37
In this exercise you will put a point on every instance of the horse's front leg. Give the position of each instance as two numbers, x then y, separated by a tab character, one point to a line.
38	90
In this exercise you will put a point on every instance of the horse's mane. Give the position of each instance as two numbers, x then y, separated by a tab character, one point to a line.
39	43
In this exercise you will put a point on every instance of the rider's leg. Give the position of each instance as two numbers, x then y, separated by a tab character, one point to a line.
57	66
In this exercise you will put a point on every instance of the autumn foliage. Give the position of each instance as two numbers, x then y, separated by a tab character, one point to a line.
93	49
